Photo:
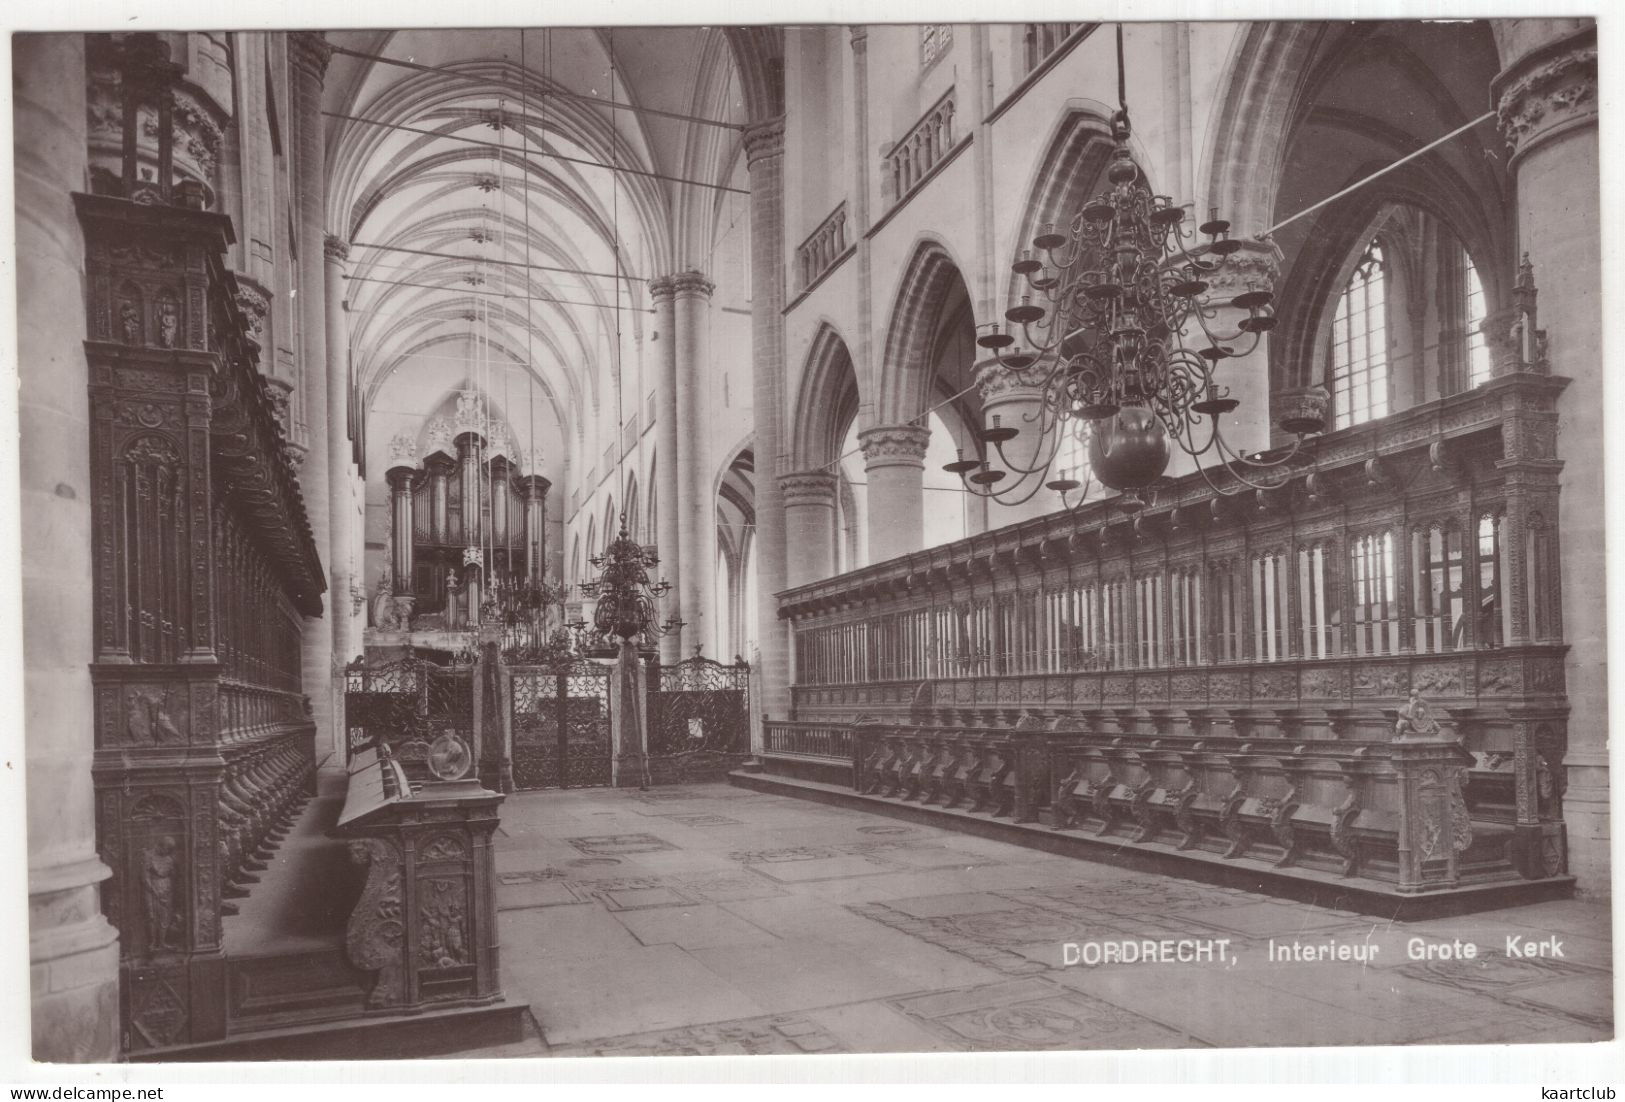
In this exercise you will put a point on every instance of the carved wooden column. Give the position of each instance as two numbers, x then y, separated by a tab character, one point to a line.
764	158
809	523
1547	102
72	949
894	460
535	487
308	55
662	291
402	526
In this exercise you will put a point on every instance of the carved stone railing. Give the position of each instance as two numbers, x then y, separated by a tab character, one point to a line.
808	740
1302	612
1394	812
907	163
823	247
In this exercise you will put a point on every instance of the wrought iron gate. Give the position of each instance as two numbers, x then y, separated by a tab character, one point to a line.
560	723
699	718
407	704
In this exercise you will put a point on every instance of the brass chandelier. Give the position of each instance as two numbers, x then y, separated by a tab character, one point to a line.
1103	328
627	600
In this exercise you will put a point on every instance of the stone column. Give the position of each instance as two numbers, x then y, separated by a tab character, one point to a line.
308	54
340	501
809	525
894	462
1547	102
667	509
72	949
1246	429
1015	400
764	158
401	528
535	488
697	534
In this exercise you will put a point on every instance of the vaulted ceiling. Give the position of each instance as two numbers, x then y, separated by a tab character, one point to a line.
499	209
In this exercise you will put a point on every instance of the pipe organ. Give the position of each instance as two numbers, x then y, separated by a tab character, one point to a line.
467	512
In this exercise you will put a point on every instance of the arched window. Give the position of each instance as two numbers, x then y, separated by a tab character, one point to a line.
1360	344
1478	348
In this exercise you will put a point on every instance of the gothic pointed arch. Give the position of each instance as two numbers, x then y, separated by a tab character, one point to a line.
826	402
931	297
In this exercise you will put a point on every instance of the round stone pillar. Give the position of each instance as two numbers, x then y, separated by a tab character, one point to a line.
1547	102
341	504
1246	429
72	949
894	462
696	511
809	525
1015	400
661	292
764	159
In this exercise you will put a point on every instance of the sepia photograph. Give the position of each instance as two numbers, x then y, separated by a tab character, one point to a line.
546	542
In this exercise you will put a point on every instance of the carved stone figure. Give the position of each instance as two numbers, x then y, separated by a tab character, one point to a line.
159	881
169	322
129	323
1415	721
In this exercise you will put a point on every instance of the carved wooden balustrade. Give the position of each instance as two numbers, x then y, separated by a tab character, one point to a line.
907	163
809	740
1393	812
1418	553
203	568
823	247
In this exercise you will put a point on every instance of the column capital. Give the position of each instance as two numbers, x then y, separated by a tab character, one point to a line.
1254	267
894	445
309	51
662	288
1547	92
764	140
996	382
692	283
336	248
808	488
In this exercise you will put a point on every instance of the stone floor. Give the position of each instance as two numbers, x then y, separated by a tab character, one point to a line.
713	920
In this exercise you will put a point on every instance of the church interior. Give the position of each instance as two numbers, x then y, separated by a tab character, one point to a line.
572	541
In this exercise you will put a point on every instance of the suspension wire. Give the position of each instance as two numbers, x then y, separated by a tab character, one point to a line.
615	352
540	153
1380	172
484	294
1122	80
492	261
541	93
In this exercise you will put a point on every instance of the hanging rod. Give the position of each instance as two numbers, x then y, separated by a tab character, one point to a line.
489	294
495	263
1380	172
538	152
525	87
